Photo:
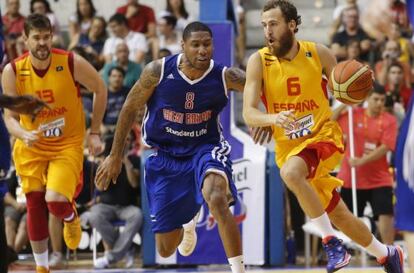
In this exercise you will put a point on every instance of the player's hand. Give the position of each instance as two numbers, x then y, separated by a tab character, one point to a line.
285	119
108	171
95	145
27	105
29	137
262	134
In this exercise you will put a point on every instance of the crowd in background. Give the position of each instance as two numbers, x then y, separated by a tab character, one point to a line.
134	35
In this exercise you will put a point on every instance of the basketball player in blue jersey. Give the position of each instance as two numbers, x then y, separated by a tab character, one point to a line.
184	95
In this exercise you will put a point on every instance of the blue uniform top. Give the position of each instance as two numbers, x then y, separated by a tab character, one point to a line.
182	113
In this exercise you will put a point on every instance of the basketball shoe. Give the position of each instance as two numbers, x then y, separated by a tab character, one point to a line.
394	262
338	257
41	269
189	240
72	231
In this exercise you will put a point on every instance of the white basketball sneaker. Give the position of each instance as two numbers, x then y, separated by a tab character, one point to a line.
189	241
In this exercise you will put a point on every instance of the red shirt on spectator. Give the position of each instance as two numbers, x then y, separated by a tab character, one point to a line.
369	133
13	25
139	22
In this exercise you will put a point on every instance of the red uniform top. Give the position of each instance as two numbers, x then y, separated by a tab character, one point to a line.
369	133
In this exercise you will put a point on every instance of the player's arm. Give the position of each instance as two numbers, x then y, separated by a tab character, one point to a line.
235	79
137	98
87	76
251	98
327	58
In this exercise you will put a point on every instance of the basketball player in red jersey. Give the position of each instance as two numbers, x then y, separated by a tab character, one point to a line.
308	143
48	153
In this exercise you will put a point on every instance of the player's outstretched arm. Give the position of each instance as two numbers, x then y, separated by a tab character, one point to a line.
137	98
26	104
235	79
251	98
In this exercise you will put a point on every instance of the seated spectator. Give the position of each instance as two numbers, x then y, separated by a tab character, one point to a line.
93	41
399	16
136	41
353	31
15	215
140	18
168	37
353	51
118	202
43	7
132	70
406	48
13	23
337	16
177	9
391	54
395	85
81	21
117	94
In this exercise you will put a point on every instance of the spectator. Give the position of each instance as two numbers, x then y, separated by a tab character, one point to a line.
117	94
396	87
399	16
391	54
337	16
81	21
140	18
119	202
353	51
13	23
352	30
375	133
132	69
406	48
43	7
168	37
15	215
93	41
136	41
177	9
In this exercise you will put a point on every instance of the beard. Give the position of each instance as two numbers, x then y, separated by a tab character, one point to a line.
41	56
285	44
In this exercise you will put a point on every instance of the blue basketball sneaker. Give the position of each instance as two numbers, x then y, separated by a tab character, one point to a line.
394	262
338	257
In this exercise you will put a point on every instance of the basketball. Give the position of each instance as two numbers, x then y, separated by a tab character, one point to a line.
350	82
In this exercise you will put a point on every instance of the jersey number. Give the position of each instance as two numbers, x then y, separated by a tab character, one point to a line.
293	86
189	100
46	95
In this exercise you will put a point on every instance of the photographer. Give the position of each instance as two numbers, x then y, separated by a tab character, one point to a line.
390	54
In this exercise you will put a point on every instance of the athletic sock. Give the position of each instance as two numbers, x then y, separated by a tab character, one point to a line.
41	259
377	249
324	225
237	264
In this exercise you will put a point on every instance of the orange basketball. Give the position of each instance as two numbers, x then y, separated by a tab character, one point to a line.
350	82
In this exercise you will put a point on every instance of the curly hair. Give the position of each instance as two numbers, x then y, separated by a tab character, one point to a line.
289	11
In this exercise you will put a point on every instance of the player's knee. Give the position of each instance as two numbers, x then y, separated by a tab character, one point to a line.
292	177
60	209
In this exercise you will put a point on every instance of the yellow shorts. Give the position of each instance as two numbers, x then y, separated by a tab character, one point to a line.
57	171
329	148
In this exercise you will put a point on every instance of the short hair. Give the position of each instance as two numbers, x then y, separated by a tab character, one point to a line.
117	68
36	21
377	88
119	19
195	27
170	20
289	11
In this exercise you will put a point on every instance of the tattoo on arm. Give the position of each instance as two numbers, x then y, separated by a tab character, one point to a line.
135	102
235	78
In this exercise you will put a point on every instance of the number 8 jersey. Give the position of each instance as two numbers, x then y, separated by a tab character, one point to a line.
183	113
63	125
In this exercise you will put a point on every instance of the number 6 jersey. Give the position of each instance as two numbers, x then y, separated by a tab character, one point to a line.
63	125
182	113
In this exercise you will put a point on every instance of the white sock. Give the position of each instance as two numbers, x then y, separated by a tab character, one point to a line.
69	218
41	259
324	225
377	249
237	264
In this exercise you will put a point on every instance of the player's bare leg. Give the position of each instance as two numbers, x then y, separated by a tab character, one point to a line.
168	242
215	194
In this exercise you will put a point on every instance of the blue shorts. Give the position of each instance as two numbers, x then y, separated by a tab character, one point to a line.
174	184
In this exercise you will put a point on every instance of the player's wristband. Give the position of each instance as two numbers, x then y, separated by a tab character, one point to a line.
95	133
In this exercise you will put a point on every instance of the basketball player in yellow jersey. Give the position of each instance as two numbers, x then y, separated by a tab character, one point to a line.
48	153
308	144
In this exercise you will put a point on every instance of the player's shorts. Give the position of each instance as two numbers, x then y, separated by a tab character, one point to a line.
174	184
380	200
322	152
56	171
14	214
